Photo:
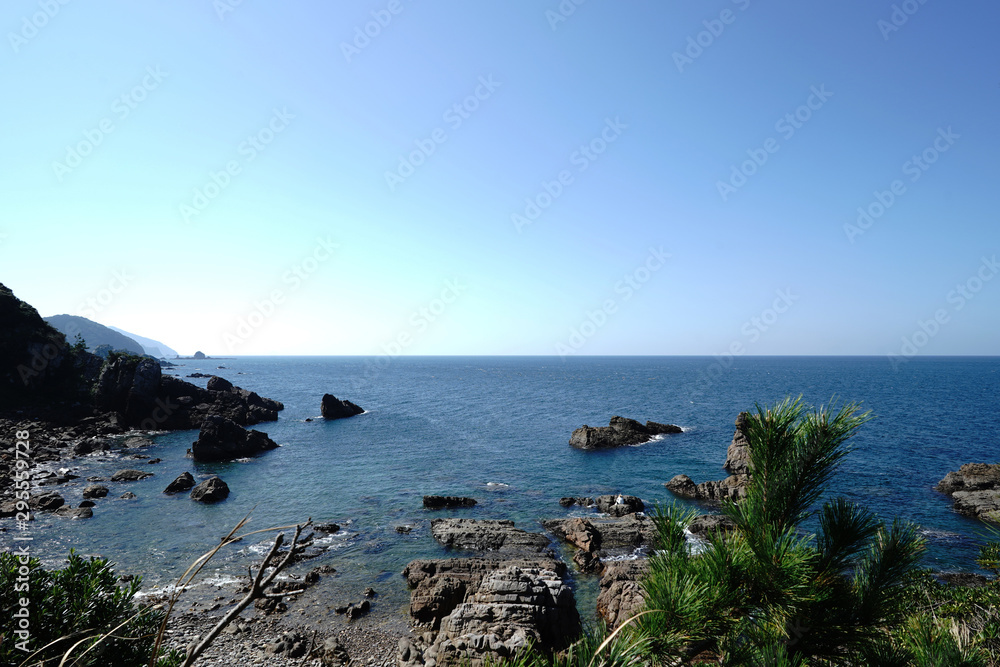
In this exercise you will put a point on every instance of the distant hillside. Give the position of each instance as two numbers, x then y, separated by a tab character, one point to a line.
94	334
153	347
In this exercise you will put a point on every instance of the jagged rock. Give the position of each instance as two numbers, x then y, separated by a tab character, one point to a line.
621	595
357	611
290	645
738	454
733	487
215	383
95	491
222	439
183	482
486	535
619	505
211	490
487	608
440	585
334	408
513	607
737	463
975	489
628	532
587	562
128	495
129	386
46	502
130	475
705	524
439	502
620	432
582	502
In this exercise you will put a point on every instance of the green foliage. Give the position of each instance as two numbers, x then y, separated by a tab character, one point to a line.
78	608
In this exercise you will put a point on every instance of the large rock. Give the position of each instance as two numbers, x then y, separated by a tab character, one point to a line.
95	491
334	408
598	534
975	488
737	464
487	609
183	482
621	595
212	490
619	505
486	535
619	433
222	439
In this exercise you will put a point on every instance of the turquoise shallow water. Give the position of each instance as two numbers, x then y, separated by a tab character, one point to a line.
496	428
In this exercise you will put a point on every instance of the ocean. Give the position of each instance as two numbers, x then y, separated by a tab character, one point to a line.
496	429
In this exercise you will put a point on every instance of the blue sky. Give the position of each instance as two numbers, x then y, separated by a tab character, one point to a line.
507	178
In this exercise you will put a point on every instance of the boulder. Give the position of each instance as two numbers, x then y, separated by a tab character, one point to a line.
46	502
582	502
486	535
211	490
128	495
130	475
621	595
222	439
332	653
619	505
326	527
619	433
215	383
441	502
95	491
599	534
183	482
334	408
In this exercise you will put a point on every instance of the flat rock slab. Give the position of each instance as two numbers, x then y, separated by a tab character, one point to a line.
975	488
447	502
486	535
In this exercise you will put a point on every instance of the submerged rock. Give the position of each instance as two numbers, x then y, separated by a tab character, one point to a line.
440	502
130	475
334	408
619	433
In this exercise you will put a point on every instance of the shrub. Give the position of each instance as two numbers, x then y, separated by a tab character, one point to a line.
79	608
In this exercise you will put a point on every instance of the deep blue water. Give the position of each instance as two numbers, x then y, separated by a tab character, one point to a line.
496	428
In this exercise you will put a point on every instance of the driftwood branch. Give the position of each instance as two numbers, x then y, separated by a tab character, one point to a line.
258	583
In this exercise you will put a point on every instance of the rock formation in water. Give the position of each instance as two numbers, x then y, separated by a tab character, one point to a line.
975	488
619	433
333	408
737	465
222	439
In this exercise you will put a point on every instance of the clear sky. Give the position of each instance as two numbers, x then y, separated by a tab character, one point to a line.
517	177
